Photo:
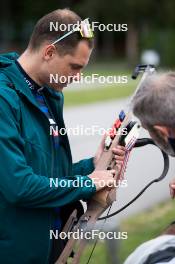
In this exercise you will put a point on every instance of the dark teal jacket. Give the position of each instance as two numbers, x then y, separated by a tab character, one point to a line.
28	160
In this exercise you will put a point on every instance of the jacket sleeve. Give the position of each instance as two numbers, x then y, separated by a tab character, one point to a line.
19	185
84	167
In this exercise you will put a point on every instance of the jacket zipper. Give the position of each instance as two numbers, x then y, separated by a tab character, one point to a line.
51	137
52	170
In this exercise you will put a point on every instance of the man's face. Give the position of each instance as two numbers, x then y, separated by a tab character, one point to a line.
68	67
161	139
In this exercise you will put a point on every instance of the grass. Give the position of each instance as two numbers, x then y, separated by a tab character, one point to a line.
107	69
146	226
108	92
140	228
80	97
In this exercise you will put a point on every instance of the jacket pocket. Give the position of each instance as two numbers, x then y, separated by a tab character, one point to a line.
37	158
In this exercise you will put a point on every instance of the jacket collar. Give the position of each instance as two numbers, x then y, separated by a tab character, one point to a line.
16	80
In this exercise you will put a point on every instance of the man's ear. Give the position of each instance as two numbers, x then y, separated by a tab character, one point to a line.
49	51
163	131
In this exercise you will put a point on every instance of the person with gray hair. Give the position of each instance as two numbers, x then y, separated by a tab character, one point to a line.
154	105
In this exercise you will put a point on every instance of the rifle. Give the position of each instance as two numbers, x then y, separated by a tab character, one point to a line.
104	198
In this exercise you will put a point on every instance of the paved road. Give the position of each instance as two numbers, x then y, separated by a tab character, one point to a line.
145	163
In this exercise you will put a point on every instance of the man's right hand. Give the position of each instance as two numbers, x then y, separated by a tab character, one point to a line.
103	178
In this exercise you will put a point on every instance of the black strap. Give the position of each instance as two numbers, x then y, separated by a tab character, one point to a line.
140	143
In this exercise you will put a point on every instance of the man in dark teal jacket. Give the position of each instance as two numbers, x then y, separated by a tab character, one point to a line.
30	156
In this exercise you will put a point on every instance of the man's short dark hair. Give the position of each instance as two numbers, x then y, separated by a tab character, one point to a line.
42	32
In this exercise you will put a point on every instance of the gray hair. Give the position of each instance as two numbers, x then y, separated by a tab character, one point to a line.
154	102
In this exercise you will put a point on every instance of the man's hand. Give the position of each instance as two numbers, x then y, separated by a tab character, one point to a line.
119	153
103	178
172	188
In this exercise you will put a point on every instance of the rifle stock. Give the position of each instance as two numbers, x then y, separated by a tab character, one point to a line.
105	197
99	202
